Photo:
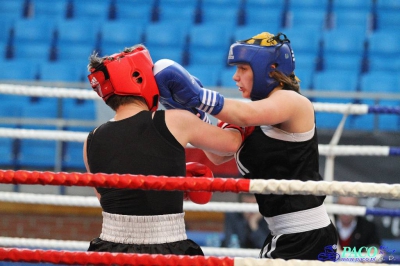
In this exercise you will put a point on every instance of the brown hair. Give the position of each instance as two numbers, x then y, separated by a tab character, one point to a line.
289	82
115	101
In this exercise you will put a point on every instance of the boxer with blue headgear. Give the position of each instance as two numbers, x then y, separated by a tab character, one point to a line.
264	53
279	139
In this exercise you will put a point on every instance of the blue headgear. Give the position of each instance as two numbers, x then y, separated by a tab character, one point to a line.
261	52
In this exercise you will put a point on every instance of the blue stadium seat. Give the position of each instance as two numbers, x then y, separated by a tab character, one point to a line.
165	34
383	63
3	51
86	9
308	4
166	40
305	61
43	107
220	3
223	13
357	21
221	16
6	152
73	151
5	34
315	19
18	70
390	47
343	49
14	8
49	9
135	12
208	44
12	105
85	31
305	72
178	11
264	3
226	79
387	5
32	51
353	5
34	31
78	109
204	56
345	81
303	40
37	154
339	61
60	72
379	81
388	20
176	54
256	16
78	52
207	74
338	81
114	37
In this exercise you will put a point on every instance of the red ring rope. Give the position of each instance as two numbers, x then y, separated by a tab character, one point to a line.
105	258
145	182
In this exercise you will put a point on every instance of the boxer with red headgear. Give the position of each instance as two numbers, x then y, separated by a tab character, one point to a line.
143	140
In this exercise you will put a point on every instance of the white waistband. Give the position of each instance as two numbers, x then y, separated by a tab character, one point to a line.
157	229
297	222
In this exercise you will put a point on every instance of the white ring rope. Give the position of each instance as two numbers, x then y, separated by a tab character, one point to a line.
92	201
41	91
60	135
321	188
26	90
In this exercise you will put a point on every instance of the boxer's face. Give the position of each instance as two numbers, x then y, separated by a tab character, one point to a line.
244	79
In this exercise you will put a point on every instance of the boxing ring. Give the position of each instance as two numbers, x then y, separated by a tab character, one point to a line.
73	252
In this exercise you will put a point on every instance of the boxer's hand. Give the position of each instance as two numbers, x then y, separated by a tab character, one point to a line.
169	103
198	170
176	84
228	126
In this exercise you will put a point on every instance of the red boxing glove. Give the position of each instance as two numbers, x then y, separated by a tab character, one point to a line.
244	131
198	170
248	131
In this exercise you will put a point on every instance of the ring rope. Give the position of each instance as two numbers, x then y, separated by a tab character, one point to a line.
105	258
61	135
236	185
355	109
91	201
84	245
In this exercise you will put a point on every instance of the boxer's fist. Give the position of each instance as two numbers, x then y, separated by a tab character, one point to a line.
228	126
169	103
198	170
176	84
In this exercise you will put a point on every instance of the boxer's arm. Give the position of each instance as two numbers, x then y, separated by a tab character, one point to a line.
187	128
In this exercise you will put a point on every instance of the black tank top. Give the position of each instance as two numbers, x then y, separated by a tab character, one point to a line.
137	145
268	158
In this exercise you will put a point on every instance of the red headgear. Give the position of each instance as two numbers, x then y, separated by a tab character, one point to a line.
126	73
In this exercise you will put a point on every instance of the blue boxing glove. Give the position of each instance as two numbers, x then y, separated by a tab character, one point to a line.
169	103
177	85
